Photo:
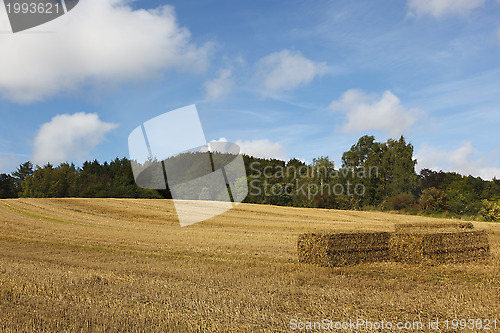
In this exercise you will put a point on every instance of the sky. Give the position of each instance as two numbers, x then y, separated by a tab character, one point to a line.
282	79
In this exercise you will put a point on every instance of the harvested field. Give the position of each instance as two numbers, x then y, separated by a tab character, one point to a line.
118	265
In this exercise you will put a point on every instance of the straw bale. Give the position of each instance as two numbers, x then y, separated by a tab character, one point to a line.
432	225
439	246
340	249
448	243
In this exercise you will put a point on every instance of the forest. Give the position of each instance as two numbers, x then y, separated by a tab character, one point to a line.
372	176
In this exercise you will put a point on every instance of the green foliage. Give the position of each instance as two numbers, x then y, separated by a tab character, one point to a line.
334	202
491	210
463	202
398	167
402	201
22	172
93	180
491	191
394	165
326	201
7	187
433	200
429	178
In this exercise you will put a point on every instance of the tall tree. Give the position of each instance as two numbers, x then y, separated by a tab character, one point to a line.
22	172
7	186
384	169
398	168
366	151
364	161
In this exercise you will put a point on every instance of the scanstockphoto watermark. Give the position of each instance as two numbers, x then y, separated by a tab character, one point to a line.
308	181
455	324
359	324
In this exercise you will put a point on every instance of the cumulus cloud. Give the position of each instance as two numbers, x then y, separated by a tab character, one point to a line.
465	160
98	42
287	70
439	8
263	148
67	137
368	112
220	86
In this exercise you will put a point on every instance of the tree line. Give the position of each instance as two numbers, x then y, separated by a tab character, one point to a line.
91	180
372	175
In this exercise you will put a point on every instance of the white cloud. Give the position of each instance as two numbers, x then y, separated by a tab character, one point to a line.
220	140
67	137
220	86
367	112
440	8
286	70
465	160
263	148
99	42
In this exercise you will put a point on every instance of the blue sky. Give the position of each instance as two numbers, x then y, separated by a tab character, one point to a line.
280	78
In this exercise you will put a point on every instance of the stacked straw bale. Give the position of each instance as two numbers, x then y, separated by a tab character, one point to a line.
441	246
342	249
430	243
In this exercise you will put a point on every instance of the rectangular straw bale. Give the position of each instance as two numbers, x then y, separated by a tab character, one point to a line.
457	256
312	249
455	241
407	246
346	258
432	225
340	249
440	247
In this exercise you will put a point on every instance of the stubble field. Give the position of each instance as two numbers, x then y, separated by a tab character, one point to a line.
125	265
